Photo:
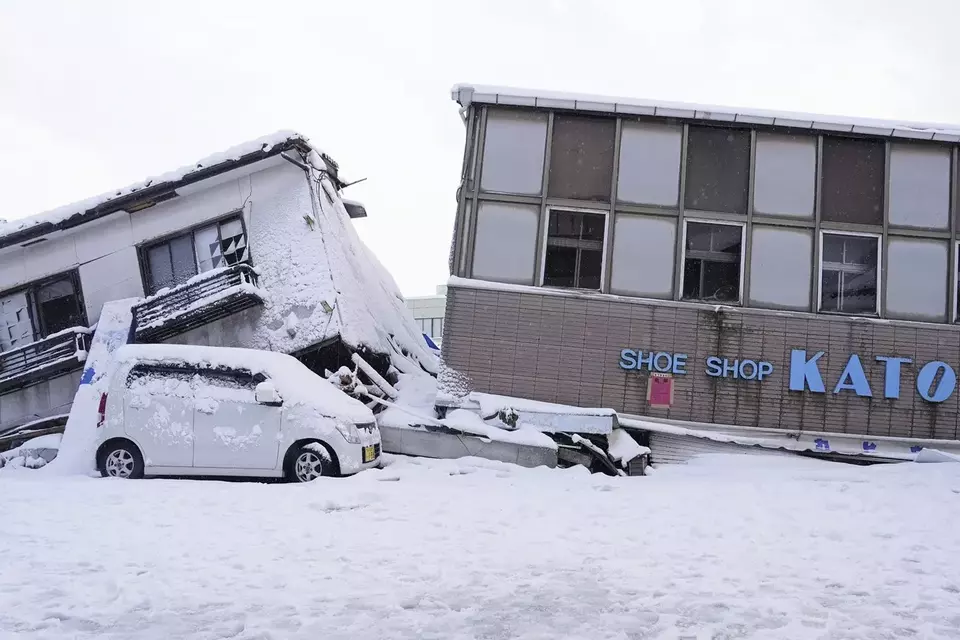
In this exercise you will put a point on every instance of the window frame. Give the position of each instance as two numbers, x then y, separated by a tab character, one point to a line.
144	247
30	289
880	279
604	251
954	297
683	258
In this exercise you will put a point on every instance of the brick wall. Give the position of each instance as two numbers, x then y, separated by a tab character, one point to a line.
566	349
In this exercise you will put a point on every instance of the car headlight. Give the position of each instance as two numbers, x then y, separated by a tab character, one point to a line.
349	432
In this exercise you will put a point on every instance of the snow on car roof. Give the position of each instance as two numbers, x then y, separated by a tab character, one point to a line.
465	94
296	383
105	203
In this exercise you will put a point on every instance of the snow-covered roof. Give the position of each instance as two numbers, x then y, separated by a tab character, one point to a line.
466	94
65	217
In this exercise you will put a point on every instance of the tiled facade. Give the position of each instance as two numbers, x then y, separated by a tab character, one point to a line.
566	348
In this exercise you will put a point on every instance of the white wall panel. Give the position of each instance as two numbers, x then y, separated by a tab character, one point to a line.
785	175
643	248
50	257
650	163
916	279
919	186
513	152
111	277
781	263
506	243
103	237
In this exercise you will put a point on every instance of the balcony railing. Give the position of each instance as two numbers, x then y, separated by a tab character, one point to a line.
63	351
201	300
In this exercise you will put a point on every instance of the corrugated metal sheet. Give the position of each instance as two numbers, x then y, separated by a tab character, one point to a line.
672	449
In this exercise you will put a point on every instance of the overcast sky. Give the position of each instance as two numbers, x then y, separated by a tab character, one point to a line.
95	95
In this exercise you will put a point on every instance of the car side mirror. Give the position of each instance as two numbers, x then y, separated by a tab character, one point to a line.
267	393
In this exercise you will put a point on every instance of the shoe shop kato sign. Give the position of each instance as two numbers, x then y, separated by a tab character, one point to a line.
936	380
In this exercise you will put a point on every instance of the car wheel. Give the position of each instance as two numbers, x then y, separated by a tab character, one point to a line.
121	461
310	462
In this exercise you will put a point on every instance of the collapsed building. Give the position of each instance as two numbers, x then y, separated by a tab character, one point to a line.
252	247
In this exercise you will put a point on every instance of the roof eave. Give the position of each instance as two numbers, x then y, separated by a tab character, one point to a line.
154	191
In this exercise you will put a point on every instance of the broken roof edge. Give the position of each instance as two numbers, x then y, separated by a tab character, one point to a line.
68	216
466	94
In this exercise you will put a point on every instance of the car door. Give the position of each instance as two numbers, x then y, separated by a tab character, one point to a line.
233	431
158	410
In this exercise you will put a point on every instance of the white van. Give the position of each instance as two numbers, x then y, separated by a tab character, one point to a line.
212	411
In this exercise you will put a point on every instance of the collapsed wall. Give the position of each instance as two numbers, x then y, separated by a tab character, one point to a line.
327	295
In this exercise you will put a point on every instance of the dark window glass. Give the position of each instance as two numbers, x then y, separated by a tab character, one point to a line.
560	269
161	267
848	282
852	181
234	380
172	262
59	306
718	170
581	158
574	255
591	263
711	266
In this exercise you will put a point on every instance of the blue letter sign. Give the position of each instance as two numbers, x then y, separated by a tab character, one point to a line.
854	378
804	373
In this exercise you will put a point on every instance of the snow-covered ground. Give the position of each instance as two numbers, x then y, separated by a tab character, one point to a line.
725	547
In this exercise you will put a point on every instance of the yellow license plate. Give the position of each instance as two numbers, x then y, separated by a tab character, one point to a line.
369	454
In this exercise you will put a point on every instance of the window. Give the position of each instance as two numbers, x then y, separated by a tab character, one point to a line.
643	249
574	251
649	163
916	279
160	381
513	149
227	384
505	243
581	157
178	259
711	261
852	180
16	326
848	280
919	185
718	169
785	175
781	261
40	309
433	327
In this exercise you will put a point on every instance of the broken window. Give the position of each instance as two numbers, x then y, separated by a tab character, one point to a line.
711	264
574	251
40	309
16	327
58	305
848	281
176	260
